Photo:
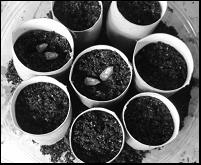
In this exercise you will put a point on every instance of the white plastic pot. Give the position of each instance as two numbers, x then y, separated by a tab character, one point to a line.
123	33
176	43
53	136
40	24
95	103
135	144
102	110
87	37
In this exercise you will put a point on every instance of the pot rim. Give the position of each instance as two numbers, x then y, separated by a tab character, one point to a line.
163	5
99	47
172	109
190	64
102	110
69	39
89	29
34	80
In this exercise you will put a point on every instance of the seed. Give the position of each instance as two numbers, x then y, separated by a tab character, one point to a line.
51	55
91	81
40	48
106	73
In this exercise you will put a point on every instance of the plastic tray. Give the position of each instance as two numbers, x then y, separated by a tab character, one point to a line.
16	148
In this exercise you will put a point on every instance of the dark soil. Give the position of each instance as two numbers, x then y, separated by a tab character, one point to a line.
149	121
26	50
77	15
41	108
129	155
12	75
180	99
140	12
59	152
92	64
96	137
106	6
161	66
164	28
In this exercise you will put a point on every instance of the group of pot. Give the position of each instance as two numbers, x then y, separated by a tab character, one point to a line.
43	49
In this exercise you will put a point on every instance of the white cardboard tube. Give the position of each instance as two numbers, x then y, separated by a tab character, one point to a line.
176	43
40	24
55	135
87	37
131	141
94	103
123	33
102	110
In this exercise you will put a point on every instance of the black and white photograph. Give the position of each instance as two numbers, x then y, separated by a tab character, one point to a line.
99	81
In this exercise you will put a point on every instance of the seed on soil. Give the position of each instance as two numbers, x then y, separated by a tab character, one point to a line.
106	73
91	81
51	55
93	64
128	155
41	48
30	48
